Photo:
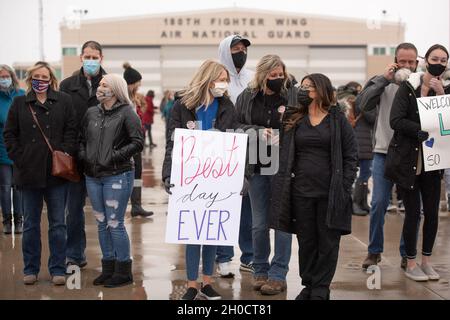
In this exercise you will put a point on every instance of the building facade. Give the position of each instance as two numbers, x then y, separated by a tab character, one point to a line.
168	48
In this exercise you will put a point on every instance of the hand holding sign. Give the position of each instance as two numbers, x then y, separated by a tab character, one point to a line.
435	134
208	171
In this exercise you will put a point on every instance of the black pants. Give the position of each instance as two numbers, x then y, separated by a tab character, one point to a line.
427	184
318	245
137	190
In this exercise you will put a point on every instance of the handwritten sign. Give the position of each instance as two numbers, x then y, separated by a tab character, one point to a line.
208	173
435	119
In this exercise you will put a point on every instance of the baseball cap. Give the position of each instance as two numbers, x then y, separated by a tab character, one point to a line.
237	39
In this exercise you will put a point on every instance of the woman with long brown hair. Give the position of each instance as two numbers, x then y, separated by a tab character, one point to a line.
311	196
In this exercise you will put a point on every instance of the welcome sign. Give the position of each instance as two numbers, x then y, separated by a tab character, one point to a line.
435	119
208	173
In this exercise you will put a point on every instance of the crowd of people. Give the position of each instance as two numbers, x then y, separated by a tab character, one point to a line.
330	143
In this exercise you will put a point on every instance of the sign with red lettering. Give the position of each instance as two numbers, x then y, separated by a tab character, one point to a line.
208	174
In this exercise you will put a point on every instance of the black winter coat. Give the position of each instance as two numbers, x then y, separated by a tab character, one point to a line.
181	115
344	162
364	133
403	152
25	143
109	139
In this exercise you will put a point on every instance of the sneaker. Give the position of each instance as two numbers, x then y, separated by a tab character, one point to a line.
224	270
209	293
59	280
7	228
400	206
371	260
391	207
258	282
247	267
190	294
30	279
429	271
416	274
273	287
404	263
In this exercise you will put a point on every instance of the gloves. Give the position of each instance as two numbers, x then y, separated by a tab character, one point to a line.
167	185
422	136
245	187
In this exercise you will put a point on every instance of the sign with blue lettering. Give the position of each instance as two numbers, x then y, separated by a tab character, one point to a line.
435	119
207	173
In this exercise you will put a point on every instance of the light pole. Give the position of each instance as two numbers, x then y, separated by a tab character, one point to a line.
41	30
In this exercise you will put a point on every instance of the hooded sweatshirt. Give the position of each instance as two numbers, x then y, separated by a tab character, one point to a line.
238	81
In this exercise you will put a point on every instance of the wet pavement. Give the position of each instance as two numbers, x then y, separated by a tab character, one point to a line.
159	271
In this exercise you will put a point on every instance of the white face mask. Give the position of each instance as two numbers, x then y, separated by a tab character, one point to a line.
219	89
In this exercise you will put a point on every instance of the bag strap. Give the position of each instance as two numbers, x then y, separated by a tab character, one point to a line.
40	129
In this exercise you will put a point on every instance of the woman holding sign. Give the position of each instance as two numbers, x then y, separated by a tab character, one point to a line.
405	163
259	111
203	105
311	195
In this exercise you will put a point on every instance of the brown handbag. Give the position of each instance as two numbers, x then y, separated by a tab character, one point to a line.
63	164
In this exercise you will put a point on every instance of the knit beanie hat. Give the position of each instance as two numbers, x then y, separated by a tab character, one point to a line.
131	75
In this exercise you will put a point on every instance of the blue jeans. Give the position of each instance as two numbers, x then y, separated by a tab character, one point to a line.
76	235
6	174
226	253
365	170
55	198
109	198
260	200
381	194
193	260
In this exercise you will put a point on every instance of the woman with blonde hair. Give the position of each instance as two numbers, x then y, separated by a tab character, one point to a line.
110	135
260	108
9	89
204	105
54	115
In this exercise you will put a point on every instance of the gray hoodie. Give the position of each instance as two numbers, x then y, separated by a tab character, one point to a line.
239	81
379	93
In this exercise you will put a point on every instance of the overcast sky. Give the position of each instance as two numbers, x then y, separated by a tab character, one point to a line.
427	22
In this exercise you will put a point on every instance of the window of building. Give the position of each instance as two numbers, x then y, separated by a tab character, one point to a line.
69	51
379	51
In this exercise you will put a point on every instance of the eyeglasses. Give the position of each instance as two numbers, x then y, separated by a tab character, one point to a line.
308	88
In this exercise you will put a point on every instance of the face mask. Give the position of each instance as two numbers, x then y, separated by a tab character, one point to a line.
40	86
303	97
103	95
436	69
275	85
239	59
5	83
91	67
219	89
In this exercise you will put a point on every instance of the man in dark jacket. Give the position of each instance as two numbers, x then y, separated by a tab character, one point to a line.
379	94
82	87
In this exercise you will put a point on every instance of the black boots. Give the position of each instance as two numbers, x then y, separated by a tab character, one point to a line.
107	272
18	224
136	207
360	206
7	224
122	275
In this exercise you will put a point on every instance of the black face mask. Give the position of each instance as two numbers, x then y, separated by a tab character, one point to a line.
304	98
275	85
436	69
239	59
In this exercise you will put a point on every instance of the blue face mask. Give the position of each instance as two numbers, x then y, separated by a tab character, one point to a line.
5	83
91	67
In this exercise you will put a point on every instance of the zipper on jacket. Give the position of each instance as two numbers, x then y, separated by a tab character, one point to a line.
100	143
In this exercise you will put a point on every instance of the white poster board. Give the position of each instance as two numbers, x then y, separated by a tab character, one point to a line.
208	173
435	119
